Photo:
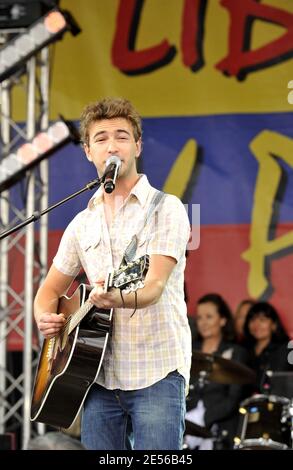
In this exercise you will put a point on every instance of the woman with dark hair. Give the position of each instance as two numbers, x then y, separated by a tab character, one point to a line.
215	405
267	343
240	317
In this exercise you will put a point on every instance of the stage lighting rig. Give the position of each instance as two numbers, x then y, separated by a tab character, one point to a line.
14	166
46	30
18	14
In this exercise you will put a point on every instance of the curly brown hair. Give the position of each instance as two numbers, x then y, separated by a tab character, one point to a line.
109	108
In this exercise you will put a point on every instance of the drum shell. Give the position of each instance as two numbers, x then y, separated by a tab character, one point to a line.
264	423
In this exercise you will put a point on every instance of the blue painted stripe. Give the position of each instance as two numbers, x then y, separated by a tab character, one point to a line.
225	184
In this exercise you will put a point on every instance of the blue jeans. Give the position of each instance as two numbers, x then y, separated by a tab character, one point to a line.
150	418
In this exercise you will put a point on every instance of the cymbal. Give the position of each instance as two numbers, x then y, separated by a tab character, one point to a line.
220	370
196	430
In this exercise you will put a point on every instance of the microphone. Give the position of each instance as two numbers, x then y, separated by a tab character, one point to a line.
111	173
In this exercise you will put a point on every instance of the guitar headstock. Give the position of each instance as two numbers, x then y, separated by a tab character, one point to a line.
130	277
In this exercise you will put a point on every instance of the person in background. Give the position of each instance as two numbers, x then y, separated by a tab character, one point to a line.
267	343
214	405
240	317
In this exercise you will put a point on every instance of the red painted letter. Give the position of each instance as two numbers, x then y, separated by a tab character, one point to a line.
192	33
124	55
240	60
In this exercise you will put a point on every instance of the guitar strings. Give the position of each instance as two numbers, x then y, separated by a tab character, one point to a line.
68	319
87	303
121	295
135	304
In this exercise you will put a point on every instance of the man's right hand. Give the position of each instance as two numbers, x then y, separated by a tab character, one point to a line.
50	324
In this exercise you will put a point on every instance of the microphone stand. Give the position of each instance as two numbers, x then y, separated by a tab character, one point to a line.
37	215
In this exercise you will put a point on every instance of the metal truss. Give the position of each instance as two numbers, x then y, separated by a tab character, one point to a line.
23	256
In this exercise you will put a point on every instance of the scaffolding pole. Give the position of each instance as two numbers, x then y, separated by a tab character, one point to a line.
4	219
16	305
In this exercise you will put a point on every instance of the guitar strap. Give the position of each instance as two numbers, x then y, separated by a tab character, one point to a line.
130	251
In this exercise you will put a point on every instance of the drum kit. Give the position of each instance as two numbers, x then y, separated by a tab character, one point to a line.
265	420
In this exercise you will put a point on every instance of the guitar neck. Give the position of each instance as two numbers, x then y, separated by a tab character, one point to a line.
77	316
129	277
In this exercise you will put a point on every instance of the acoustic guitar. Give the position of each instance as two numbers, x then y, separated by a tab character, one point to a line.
70	362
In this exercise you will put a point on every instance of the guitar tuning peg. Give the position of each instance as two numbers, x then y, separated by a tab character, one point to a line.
129	288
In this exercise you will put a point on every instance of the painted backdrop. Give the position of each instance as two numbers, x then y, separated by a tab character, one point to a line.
210	78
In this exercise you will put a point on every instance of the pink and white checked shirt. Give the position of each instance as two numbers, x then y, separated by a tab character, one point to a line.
143	349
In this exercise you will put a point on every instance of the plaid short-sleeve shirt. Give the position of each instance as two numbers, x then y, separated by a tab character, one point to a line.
156	340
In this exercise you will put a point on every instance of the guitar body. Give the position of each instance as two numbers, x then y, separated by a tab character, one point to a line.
69	365
70	362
